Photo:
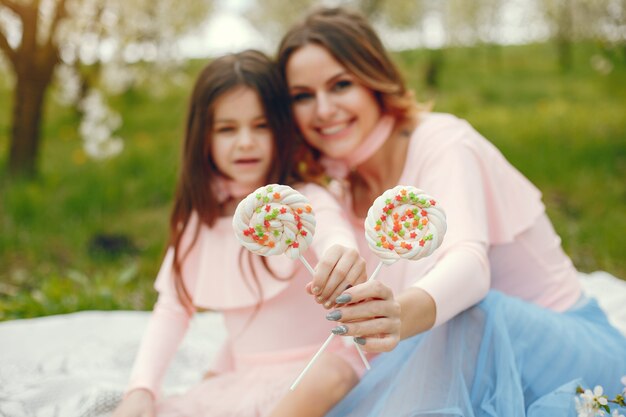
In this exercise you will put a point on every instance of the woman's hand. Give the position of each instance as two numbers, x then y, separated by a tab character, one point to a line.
377	320
339	268
370	313
137	403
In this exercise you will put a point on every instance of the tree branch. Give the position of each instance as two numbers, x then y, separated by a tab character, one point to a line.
60	12
6	48
13	6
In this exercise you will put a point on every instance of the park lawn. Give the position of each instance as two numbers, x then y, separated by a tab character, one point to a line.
563	130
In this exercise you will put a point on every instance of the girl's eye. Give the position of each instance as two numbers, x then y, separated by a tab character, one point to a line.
224	129
342	85
299	97
262	125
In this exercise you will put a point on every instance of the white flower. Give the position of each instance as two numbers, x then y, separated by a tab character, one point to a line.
585	405
589	403
616	413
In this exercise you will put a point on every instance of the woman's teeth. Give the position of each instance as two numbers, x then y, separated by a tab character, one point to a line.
333	129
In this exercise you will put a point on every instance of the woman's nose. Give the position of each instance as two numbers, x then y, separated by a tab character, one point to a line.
326	108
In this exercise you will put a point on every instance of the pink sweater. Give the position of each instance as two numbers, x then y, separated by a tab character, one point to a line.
287	326
498	233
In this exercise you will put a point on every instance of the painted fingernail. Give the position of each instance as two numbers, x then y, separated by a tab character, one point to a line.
319	299
340	330
343	298
360	340
316	290
333	315
327	304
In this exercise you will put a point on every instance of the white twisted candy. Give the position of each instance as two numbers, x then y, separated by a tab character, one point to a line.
275	219
404	222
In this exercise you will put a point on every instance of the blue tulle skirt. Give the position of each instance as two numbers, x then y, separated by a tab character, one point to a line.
501	358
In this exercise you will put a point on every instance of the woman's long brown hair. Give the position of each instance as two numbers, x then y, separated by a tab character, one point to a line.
194	193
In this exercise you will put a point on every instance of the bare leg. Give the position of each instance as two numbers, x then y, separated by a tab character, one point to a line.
325	384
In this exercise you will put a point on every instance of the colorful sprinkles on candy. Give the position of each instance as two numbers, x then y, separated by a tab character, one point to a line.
404	222
275	219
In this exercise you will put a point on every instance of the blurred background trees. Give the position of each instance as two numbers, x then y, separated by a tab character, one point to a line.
79	40
93	95
97	47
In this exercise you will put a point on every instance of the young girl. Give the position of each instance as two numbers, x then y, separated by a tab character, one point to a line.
239	136
361	123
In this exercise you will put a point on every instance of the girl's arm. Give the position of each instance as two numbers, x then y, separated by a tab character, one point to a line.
339	263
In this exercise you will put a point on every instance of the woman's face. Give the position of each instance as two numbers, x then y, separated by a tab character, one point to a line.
242	142
333	110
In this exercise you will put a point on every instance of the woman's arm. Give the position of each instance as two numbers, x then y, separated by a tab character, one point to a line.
379	320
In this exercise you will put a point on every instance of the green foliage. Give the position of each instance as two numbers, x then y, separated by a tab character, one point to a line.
563	131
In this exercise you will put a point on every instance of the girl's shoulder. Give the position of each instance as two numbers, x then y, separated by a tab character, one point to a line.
313	191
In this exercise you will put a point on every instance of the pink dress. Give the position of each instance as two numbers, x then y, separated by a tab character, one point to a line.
268	344
498	233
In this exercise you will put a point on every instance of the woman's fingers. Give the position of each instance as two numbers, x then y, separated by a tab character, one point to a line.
365	291
381	343
369	313
376	335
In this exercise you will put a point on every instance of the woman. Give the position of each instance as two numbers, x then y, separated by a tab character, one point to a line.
361	124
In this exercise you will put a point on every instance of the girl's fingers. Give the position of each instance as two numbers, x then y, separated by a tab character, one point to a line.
323	270
349	271
339	268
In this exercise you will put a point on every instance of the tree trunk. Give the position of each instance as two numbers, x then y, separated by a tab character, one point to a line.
28	104
33	62
564	47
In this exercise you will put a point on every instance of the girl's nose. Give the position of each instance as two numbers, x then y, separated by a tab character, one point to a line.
245	139
326	108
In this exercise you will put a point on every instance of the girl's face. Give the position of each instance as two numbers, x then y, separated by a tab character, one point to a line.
242	142
333	110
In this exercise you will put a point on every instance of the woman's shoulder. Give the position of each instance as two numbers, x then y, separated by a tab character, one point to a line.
442	126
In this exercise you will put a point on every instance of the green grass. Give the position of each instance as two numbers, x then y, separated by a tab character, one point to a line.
563	130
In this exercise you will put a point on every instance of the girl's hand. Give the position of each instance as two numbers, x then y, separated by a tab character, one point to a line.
339	268
137	403
370	313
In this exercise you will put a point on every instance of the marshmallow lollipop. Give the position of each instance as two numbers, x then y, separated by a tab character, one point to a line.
402	223
273	220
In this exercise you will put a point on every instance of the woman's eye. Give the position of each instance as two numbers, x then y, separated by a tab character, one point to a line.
298	97
342	85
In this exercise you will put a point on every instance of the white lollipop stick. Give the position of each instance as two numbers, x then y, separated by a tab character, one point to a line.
403	222
311	362
306	265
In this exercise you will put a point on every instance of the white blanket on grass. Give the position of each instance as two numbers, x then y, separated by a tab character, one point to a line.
77	365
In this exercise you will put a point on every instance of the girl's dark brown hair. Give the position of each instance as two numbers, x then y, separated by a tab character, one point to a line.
352	41
251	69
